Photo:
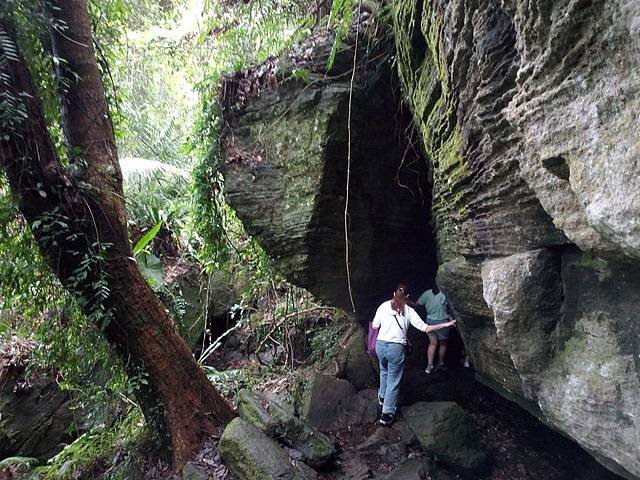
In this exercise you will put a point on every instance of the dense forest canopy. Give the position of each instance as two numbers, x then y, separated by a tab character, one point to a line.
159	65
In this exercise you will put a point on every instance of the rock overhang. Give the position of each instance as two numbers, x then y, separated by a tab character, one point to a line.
285	174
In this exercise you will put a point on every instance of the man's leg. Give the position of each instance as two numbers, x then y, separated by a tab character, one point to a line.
395	355
431	350
442	351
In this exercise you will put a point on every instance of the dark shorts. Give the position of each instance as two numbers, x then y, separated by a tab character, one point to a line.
441	334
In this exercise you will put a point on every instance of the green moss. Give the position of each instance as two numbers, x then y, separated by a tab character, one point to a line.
251	455
304	163
434	109
595	264
589	261
576	345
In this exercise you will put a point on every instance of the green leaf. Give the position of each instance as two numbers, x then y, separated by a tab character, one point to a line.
151	268
301	74
147	237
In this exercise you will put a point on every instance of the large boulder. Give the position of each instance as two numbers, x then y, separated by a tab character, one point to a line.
354	363
444	431
202	299
286	148
527	111
331	404
35	415
279	423
384	445
251	455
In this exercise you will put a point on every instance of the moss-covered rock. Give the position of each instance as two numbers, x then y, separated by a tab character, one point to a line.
532	151
285	170
251	455
444	430
480	204
201	298
35	415
526	112
280	423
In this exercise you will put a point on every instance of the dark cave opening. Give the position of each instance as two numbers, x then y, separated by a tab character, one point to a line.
389	227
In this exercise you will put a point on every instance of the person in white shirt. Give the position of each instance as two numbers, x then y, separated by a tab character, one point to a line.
392	321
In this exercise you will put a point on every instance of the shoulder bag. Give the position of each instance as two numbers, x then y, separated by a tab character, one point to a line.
407	346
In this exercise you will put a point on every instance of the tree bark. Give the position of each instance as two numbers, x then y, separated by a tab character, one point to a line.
79	221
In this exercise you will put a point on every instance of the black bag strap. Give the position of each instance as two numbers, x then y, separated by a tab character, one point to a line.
400	326
406	336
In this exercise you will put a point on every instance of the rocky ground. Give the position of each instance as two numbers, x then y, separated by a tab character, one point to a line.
449	426
517	444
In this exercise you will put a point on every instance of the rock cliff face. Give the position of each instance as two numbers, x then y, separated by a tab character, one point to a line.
527	114
286	145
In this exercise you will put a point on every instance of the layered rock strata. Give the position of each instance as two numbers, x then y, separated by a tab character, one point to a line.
36	417
527	113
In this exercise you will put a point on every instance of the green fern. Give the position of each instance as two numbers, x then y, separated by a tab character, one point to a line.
340	19
19	463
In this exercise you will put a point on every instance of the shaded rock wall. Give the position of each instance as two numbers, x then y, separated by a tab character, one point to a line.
527	111
35	415
285	149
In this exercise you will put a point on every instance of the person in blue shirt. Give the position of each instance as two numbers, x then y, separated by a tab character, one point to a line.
435	304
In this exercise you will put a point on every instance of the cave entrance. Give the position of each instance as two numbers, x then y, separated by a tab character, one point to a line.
389	224
391	234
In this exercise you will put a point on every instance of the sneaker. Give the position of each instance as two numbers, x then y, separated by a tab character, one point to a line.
380	400
442	367
386	419
429	369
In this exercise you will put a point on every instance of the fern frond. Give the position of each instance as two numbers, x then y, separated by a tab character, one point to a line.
340	18
142	167
19	462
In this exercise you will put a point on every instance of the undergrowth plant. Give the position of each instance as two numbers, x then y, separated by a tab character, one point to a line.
95	453
158	69
235	36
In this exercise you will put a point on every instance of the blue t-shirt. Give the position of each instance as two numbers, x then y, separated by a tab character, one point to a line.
436	305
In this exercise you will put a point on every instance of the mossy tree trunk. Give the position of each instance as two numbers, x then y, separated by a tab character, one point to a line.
78	218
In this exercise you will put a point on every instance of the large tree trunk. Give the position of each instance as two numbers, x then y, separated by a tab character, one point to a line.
79	220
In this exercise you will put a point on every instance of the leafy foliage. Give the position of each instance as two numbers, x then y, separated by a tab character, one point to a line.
93	451
27	286
236	36
156	193
23	463
161	71
340	17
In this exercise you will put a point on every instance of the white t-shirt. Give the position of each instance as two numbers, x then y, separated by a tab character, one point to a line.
389	330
